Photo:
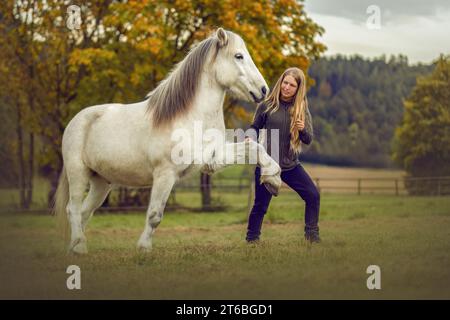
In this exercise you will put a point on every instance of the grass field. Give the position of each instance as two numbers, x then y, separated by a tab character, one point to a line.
204	256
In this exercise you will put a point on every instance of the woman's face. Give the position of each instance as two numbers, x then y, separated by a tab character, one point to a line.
288	87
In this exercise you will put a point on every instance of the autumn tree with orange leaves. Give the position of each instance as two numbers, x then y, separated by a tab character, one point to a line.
120	52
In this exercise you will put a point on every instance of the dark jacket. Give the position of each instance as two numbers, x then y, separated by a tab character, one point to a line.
280	120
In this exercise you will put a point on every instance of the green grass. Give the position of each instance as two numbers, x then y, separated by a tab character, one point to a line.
204	256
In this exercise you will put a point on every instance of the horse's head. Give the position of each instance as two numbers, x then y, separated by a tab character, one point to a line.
235	70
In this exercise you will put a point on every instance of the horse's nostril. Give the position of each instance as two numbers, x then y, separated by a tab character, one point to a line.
263	90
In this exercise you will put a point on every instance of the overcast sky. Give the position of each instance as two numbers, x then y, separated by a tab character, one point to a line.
418	29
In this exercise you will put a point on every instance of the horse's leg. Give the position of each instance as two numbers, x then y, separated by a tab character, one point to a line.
78	179
245	152
163	182
270	170
99	189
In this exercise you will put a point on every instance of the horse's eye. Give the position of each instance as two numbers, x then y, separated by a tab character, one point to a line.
239	56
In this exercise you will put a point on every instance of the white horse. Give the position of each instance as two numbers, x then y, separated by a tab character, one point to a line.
130	145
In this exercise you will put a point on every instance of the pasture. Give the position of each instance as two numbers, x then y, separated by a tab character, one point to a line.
204	255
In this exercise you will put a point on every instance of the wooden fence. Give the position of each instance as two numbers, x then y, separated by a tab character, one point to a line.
239	192
438	186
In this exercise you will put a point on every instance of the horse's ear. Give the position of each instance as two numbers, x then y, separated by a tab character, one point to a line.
223	37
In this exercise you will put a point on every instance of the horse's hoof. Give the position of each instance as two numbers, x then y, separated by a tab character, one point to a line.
144	248
272	184
273	190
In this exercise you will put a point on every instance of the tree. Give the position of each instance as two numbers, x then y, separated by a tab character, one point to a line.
423	138
17	89
124	48
38	79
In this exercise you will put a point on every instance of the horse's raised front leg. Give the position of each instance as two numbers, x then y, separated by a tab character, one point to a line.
270	170
248	152
163	181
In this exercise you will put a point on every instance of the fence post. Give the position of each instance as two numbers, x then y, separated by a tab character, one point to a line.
396	187
439	186
359	187
317	184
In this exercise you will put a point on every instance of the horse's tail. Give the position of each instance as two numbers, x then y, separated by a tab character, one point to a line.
60	204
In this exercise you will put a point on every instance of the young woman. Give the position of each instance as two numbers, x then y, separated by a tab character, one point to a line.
286	109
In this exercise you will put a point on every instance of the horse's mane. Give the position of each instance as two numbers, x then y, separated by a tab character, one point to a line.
174	95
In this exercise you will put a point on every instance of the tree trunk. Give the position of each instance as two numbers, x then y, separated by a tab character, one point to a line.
205	187
29	180
30	171
20	158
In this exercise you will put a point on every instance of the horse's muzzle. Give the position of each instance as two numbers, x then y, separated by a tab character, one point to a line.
257	100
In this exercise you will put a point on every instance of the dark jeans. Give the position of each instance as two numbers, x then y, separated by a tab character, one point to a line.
300	182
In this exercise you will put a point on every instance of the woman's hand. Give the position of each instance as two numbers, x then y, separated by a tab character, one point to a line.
299	125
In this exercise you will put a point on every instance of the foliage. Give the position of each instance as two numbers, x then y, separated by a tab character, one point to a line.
8	169
150	37
123	49
423	139
356	105
38	78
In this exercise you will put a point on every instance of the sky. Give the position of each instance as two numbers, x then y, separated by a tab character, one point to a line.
418	29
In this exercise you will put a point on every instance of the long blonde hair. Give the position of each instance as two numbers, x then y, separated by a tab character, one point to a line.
299	107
